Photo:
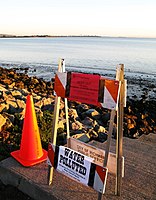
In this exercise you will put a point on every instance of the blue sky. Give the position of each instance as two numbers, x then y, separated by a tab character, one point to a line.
134	18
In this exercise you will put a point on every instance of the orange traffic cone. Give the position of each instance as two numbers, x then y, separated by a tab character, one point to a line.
31	151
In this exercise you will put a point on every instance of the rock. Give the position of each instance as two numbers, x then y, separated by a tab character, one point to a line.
4	135
62	114
48	104
130	126
136	134
7	96
49	107
24	92
16	94
12	85
106	117
35	80
61	123
61	105
102	137
19	84
11	74
76	125
101	122
39	104
93	134
12	106
73	114
36	97
2	122
133	133
74	132
2	88
8	124
1	96
4	107
7	81
81	108
82	137
42	84
21	105
143	116
88	122
99	129
47	101
93	114
38	111
62	139
22	113
9	116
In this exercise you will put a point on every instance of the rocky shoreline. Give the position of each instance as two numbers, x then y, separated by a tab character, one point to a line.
86	122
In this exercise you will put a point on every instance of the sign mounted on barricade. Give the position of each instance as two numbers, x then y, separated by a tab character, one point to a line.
96	154
77	167
83	87
88	88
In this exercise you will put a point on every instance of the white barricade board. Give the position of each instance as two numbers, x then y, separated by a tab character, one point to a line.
96	154
77	166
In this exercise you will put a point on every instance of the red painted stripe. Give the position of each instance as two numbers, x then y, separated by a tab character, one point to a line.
51	154
58	87
113	87
101	172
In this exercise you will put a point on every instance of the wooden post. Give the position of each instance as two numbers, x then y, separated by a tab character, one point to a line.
54	127
67	117
66	103
119	143
113	112
54	134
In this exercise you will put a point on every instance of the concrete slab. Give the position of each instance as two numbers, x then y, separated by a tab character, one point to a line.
139	181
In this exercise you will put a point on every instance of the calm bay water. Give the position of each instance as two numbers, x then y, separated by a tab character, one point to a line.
86	54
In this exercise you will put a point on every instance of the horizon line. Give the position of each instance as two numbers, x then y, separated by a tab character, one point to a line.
47	35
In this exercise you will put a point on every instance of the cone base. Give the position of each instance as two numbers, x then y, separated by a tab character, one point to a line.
28	163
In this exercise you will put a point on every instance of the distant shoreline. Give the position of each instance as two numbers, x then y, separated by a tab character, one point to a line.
62	36
41	36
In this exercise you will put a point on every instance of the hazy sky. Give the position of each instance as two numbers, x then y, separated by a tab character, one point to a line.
136	18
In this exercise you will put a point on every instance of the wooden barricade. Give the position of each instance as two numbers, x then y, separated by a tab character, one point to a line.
96	90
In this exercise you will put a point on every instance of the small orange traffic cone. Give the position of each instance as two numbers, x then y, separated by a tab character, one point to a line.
31	151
